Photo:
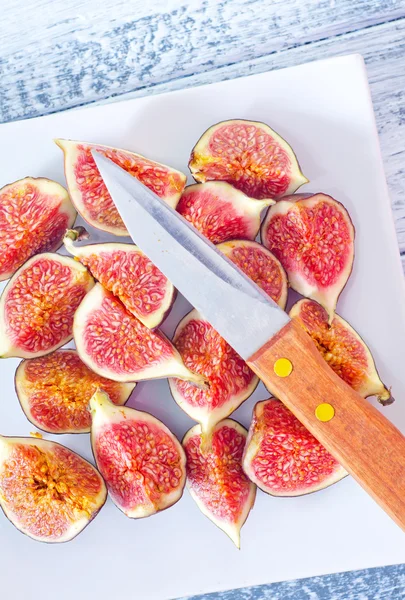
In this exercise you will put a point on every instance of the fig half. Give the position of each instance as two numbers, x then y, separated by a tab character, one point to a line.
250	156
343	349
38	303
282	457
313	237
216	480
89	193
230	381
260	265
47	491
220	212
34	215
141	460
114	344
124	270
54	391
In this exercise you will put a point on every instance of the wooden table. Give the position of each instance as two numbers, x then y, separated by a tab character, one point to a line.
60	54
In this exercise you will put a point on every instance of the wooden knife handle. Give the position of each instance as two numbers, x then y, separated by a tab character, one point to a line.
360	438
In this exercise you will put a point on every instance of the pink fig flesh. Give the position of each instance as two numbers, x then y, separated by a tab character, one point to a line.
142	462
343	349
114	344
260	265
124	270
54	391
90	195
313	238
230	381
282	457
221	212
38	304
250	156
47	491
215	478
34	215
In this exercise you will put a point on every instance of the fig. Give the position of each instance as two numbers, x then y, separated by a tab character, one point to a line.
47	491
114	344
313	237
260	265
216	480
34	214
38	303
54	391
142	462
124	270
220	212
343	349
90	195
229	378
282	457
250	156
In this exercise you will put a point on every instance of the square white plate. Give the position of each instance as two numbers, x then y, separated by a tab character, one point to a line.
324	110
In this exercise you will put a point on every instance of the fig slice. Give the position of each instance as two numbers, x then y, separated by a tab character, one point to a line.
38	303
141	460
47	491
343	349
216	480
114	344
250	156
260	265
124	270
221	212
282	457
34	214
54	391
229	378
90	195
313	237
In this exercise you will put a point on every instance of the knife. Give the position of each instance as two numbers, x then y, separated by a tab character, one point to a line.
274	346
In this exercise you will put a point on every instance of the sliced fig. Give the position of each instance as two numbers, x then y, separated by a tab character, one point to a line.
313	237
220	212
229	378
282	457
47	491
216	479
54	391
250	156
38	304
114	344
260	265
34	215
124	270
90	195
343	349
142	461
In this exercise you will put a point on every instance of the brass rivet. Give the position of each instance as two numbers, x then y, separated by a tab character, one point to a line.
283	367
324	412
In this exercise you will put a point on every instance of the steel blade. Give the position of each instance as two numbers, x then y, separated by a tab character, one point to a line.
235	306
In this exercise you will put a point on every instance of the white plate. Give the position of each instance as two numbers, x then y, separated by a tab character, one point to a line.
324	110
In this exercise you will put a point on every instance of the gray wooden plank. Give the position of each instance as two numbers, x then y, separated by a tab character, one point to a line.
387	583
59	55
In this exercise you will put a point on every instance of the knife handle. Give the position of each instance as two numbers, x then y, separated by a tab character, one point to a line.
360	438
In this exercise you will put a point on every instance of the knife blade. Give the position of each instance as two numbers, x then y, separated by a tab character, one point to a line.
178	250
276	348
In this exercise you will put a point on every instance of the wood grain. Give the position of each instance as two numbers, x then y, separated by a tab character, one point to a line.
361	439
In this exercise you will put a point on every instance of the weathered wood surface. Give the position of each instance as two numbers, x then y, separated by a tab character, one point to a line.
61	54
